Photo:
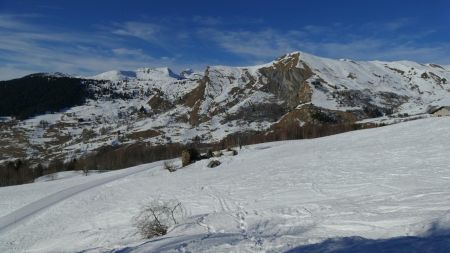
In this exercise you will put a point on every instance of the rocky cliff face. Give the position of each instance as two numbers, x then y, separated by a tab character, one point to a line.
297	88
287	79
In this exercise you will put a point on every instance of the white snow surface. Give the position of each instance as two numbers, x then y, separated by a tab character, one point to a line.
376	183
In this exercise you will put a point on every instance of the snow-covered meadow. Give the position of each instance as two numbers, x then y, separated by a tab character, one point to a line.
384	184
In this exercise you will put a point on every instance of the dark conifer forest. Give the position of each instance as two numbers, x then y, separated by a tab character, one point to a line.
39	93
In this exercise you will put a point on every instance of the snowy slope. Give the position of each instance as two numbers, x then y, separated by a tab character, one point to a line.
377	183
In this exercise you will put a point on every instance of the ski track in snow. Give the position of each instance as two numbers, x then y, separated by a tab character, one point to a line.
21	214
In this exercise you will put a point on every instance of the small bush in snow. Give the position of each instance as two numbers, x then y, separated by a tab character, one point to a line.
156	218
213	163
53	176
85	171
169	166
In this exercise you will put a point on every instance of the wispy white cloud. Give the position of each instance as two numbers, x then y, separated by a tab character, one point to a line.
260	44
127	51
141	30
11	71
215	21
16	21
367	41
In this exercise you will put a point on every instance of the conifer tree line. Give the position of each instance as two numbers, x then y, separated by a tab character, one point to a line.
38	94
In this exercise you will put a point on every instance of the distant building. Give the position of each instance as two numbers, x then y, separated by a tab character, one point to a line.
440	111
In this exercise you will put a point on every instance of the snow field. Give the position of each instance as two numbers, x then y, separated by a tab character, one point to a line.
375	183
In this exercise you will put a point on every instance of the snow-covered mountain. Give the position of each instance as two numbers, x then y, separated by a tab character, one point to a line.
141	74
156	106
375	190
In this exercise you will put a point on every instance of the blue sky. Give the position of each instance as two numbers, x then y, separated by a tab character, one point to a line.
88	37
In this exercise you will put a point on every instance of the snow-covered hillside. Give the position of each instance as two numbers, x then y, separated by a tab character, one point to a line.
422	84
155	106
378	183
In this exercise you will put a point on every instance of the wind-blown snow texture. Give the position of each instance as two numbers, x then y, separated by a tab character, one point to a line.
378	184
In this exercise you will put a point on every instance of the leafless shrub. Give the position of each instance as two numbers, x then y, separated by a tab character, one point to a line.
156	218
53	176
85	171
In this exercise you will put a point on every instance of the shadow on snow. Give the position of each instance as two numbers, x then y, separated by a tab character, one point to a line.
436	240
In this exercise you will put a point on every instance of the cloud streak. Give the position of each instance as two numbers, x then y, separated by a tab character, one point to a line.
141	30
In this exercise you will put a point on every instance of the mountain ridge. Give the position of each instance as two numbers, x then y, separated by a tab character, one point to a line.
155	106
